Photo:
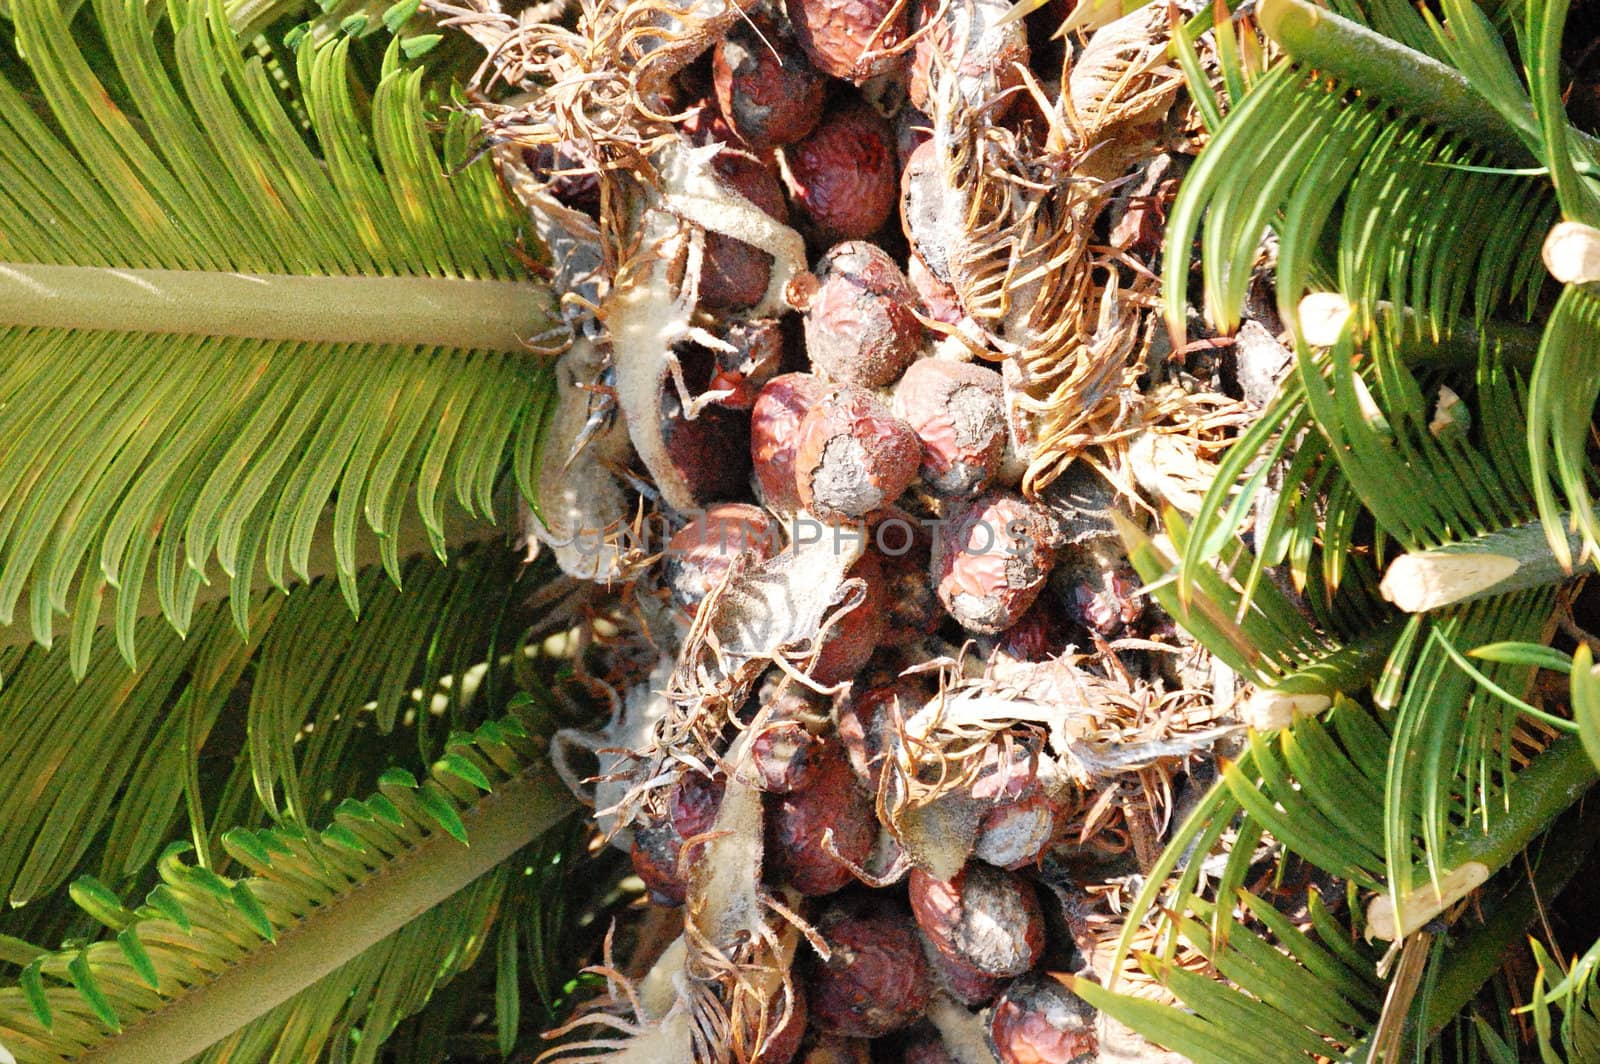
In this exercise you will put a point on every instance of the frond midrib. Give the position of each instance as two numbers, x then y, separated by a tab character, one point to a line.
453	312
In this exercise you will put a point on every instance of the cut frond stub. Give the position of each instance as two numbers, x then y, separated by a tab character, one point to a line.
1507	560
1572	253
1269	710
1323	316
1419	906
1427	580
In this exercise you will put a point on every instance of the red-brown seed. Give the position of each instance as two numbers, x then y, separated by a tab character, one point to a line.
785	751
733	274
568	171
799	821
1038	635
923	209
1017	832
852	639
992	559
781	1040
820	1048
986	917
1040	1021
914	611
861	325
775	436
972	43
656	847
958	412
867	720
854	457
705	125
700	554
938	298
842	37
694	802
843	174
707	452
961	980
926	1047
758	348
876	979
911	128
767	89
1105	602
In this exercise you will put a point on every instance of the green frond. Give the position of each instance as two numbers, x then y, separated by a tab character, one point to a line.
1410	163
1248	622
1293	994
322	937
1440	239
1319	789
1576	993
1452	771
1562	395
138	457
107	766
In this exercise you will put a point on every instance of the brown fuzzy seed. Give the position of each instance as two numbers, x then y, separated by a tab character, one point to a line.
733	274
861	326
775	436
700	554
767	89
1040	1021
843	175
992	559
854	457
830	801
876	979
986	917
842	38
958	412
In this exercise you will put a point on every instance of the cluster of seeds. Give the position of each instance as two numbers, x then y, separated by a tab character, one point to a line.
875	645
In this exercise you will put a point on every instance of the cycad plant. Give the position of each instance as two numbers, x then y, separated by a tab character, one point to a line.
1423	482
270	728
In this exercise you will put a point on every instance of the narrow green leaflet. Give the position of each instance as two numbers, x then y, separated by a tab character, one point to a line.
316	940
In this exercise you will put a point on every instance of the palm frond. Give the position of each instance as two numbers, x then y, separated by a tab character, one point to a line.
205	955
1321	786
282	724
1576	993
134	450
1312	989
